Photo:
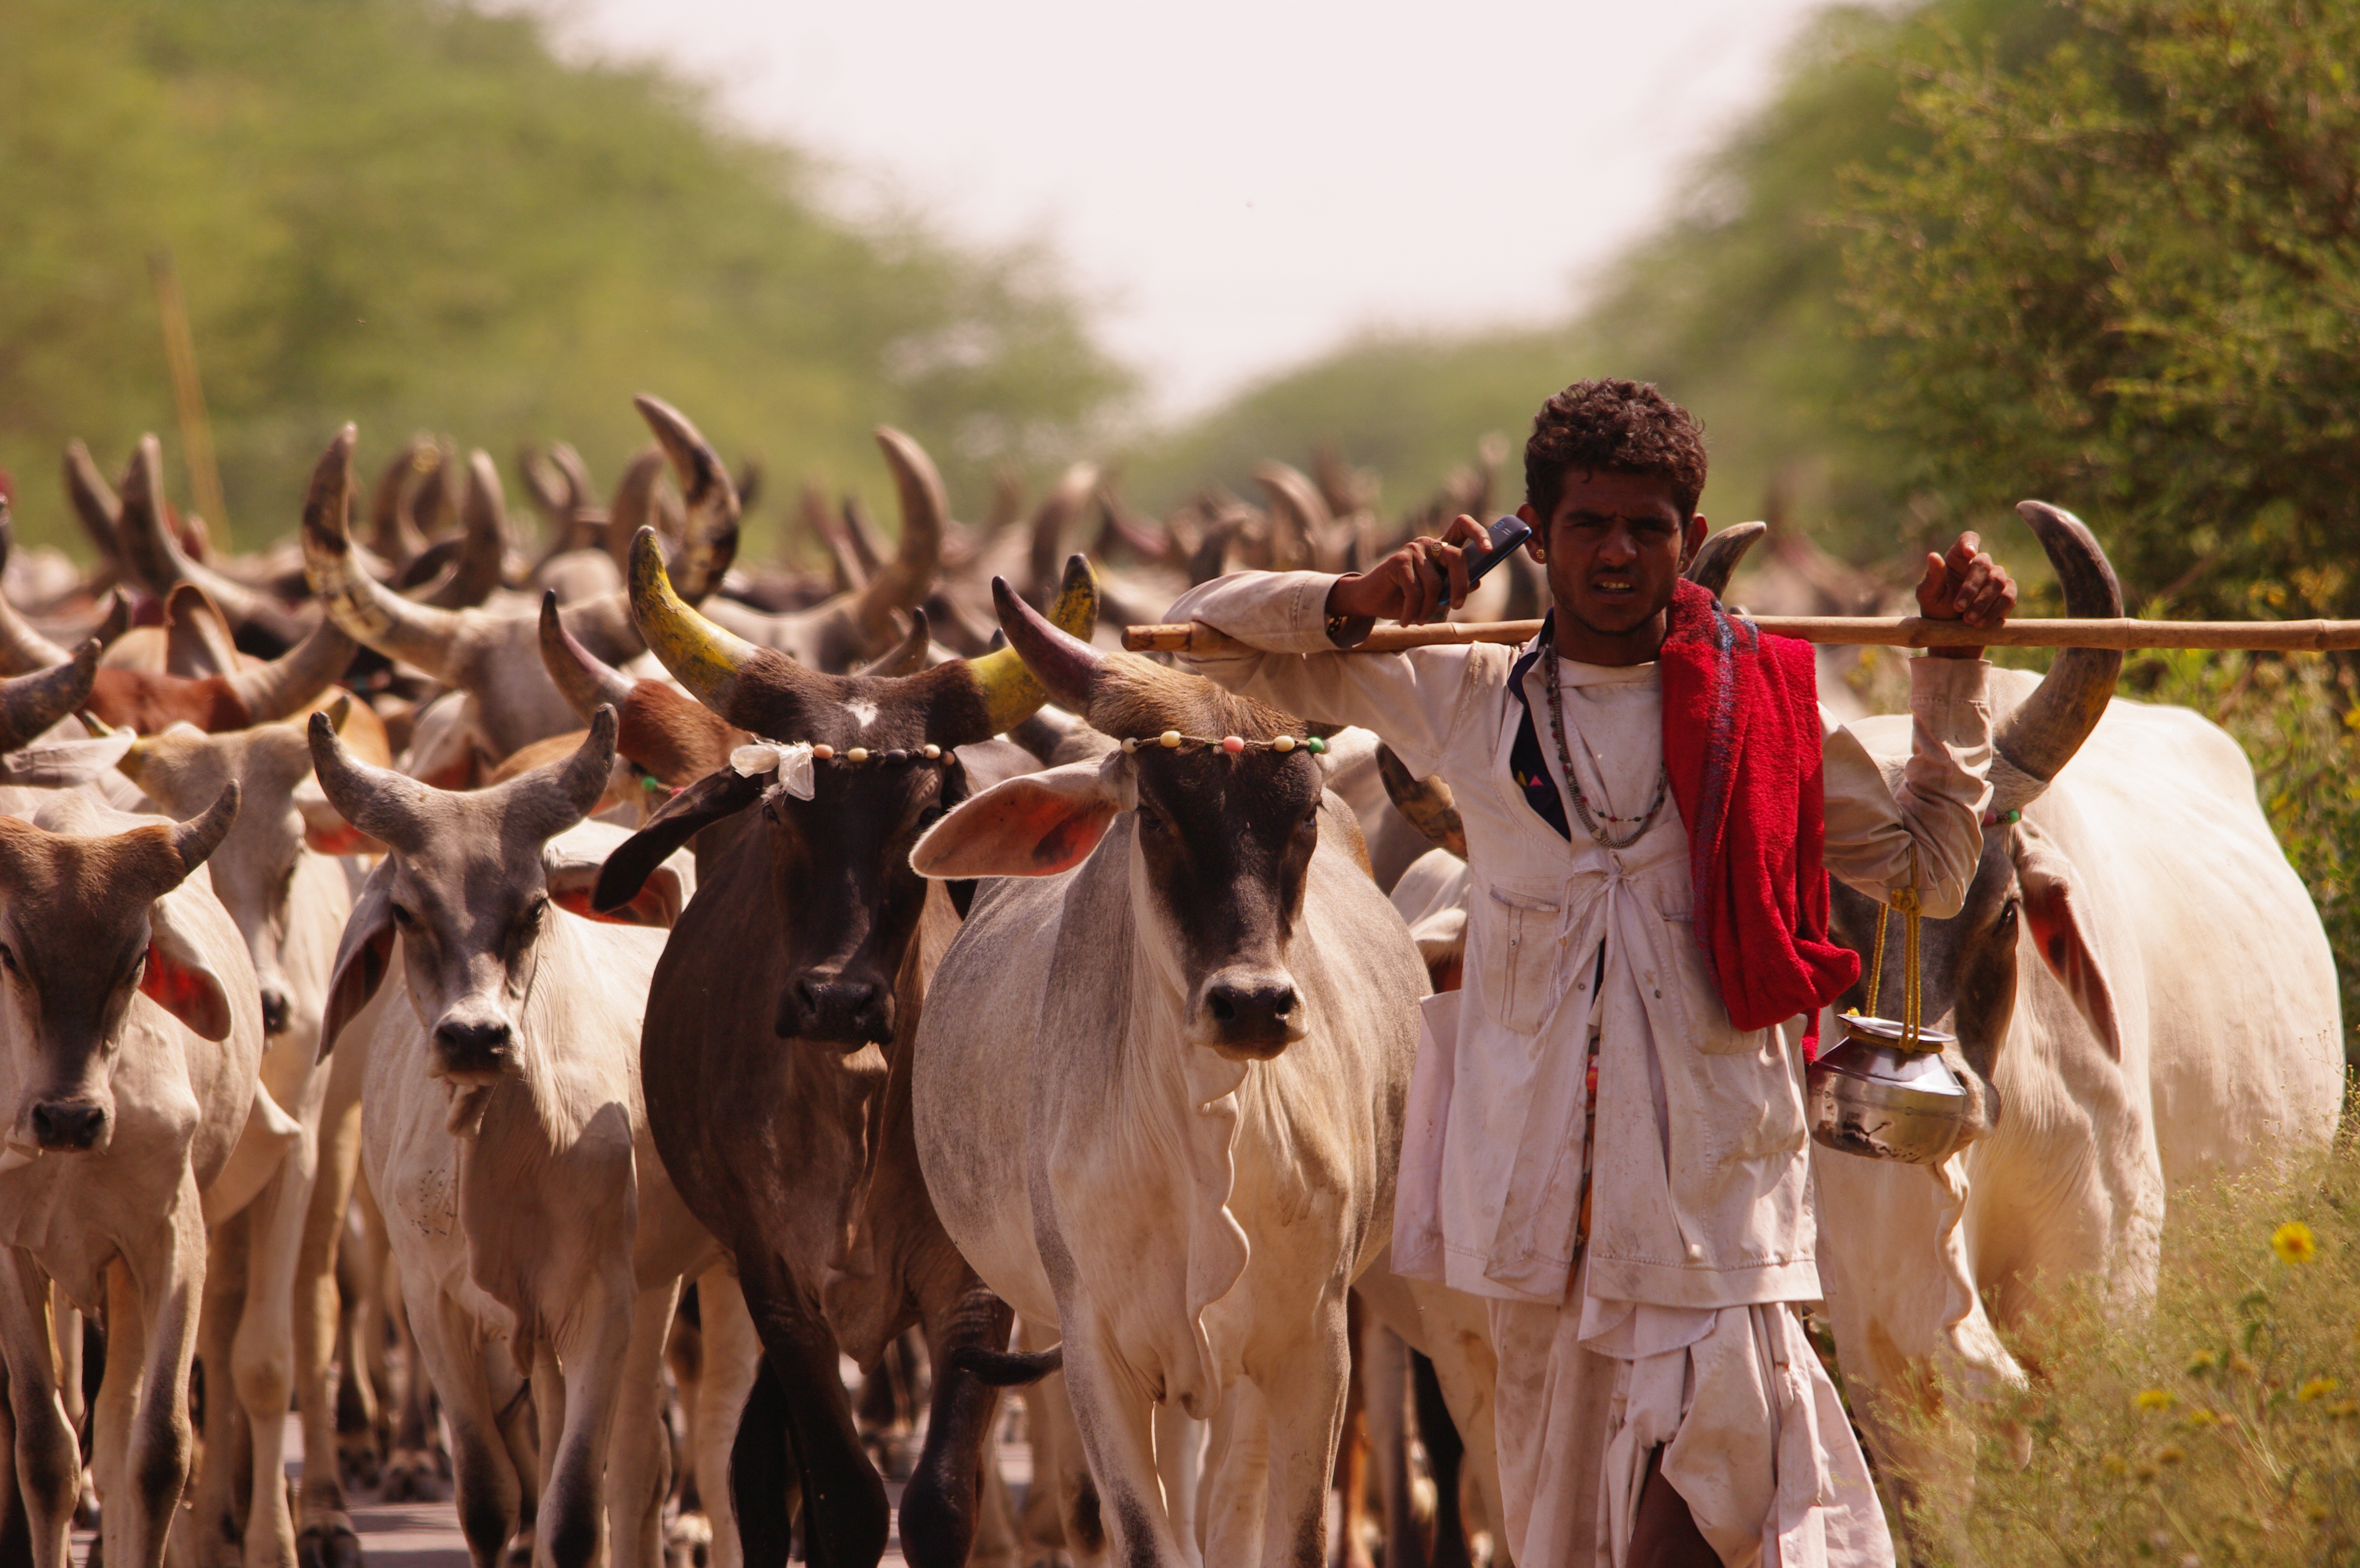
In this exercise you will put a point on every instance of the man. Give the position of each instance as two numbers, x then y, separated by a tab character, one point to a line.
1605	1134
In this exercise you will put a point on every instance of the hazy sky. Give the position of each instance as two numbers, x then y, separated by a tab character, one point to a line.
1238	187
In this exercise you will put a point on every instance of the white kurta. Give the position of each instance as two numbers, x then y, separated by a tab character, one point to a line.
1678	1328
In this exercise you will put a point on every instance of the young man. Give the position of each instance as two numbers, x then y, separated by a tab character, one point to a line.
1605	1136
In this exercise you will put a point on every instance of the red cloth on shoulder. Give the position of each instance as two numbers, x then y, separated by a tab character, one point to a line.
1742	748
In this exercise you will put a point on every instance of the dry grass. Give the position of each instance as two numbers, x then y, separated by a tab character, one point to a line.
2223	1428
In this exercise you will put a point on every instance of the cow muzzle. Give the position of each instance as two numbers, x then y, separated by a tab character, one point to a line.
80	1124
475	1052
1246	1014
836	1009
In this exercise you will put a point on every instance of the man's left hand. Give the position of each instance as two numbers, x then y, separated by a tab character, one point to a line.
1966	585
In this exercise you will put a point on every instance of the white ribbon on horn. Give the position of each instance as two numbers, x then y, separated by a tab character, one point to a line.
793	763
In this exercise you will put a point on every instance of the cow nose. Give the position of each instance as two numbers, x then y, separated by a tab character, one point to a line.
68	1126
1253	1012
837	1010
471	1046
275	1012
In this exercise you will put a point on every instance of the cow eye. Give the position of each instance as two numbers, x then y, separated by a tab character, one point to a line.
8	960
537	911
404	919
1149	821
2007	914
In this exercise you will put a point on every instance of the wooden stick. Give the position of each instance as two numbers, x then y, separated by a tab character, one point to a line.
189	397
1883	631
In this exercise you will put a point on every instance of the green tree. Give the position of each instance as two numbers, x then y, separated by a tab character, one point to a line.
2127	275
414	214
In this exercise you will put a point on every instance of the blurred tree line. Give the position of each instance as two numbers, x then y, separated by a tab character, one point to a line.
413	214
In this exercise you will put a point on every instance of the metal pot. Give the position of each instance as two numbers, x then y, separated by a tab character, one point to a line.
1869	1096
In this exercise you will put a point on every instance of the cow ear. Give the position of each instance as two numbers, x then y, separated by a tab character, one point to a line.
1034	825
658	903
180	977
711	799
362	957
2056	912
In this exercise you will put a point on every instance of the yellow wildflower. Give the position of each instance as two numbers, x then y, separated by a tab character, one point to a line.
2154	1399
2198	1420
2203	1361
2314	1388
2171	1453
2294	1243
2345	1407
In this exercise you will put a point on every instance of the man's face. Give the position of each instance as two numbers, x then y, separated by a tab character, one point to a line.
1614	548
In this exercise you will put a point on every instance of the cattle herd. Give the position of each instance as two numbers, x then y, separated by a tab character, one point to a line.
539	1007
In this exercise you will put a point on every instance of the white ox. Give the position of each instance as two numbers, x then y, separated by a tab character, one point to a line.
1158	1090
534	1228
2174	1015
130	1029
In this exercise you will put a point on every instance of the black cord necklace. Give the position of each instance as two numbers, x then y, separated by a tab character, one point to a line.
1590	818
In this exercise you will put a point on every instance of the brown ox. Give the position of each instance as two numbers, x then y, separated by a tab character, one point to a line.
775	1064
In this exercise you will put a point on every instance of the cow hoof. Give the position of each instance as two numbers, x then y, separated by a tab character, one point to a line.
411	1478
360	1468
87	1512
520	1550
328	1546
688	1543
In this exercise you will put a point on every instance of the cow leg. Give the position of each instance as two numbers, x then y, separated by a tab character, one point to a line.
66	1322
1179	1465
45	1461
263	1358
638	1463
1384	1386
939	1507
846	1521
1113	1418
211	1535
1445	1456
519	1413
444	1355
733	1352
150	1408
1235	1499
324	1536
1302	1406
601	1337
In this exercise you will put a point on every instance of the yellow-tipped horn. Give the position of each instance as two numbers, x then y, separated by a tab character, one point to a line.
1010	693
700	655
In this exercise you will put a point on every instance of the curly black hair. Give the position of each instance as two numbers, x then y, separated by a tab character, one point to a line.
1619	427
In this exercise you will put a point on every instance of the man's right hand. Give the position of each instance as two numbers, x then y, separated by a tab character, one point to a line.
1417	582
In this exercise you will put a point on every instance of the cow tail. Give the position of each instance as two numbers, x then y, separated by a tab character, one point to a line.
1007	1369
763	1481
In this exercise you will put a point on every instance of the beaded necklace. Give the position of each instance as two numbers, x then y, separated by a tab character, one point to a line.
1590	818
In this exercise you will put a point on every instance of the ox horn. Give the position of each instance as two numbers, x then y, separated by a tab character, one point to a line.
1050	660
1427	803
293	682
160	565
194	840
95	505
555	795
908	656
392	532
904	582
22	648
388	806
700	655
585	679
709	541
633	507
2032	744
1054	521
483	514
30	704
1717	557
369	612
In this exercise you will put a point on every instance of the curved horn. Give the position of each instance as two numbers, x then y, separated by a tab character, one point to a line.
585	678
95	505
385	805
368	612
555	795
1427	803
158	563
1296	502
198	837
1718	556
393	535
905	581
1050	663
30	704
908	656
2033	743
483	513
295	680
1053	520
700	655
634	506
22	648
710	536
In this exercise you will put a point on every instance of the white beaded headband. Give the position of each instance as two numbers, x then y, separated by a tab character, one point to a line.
792	761
1172	740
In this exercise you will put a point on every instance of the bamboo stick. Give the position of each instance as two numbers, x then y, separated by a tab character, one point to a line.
189	396
1885	632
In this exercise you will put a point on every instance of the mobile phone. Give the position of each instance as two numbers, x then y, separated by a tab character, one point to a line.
1505	535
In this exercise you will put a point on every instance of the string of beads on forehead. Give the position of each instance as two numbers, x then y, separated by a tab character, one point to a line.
1172	740
894	758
